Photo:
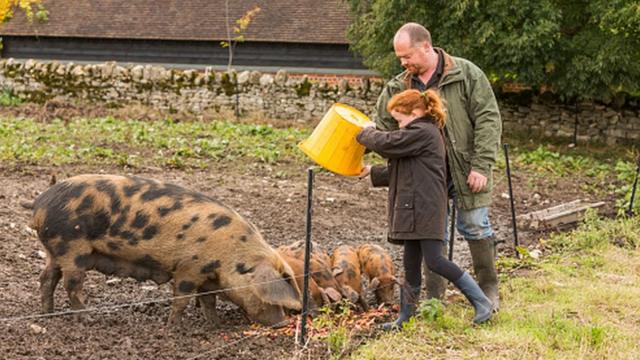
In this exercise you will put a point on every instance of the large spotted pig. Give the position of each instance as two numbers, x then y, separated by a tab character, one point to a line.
376	263
148	230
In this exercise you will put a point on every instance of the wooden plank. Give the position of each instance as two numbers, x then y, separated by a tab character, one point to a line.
559	215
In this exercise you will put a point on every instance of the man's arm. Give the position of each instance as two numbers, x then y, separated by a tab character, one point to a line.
483	110
381	116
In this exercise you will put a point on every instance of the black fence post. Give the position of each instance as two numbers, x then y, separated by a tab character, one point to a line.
452	230
633	190
513	210
307	253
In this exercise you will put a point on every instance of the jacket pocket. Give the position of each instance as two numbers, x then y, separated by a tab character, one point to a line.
403	214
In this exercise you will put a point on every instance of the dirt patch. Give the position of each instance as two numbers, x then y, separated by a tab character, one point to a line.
346	211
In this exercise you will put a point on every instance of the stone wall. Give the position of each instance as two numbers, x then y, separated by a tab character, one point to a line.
280	96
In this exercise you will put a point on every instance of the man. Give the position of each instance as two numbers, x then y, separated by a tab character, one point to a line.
472	138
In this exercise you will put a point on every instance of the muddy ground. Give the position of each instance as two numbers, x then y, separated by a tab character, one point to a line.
346	211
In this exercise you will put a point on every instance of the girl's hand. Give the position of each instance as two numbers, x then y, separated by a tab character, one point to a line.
365	171
370	124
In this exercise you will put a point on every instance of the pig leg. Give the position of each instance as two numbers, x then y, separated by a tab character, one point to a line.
363	302
73	283
49	279
208	303
181	288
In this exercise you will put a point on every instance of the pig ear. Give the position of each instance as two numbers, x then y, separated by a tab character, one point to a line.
275	288
337	271
374	283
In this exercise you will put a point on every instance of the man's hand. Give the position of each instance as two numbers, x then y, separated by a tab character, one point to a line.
365	171
476	181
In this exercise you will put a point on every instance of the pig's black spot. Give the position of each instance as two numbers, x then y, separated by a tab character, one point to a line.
106	264
116	227
210	267
243	238
109	188
56	198
211	216
201	239
96	225
221	221
113	246
149	232
130	190
60	248
180	236
344	264
195	218
148	261
84	261
163	210
141	220
72	284
194	257
186	226
157	192
241	269
131	238
85	205
186	286
351	273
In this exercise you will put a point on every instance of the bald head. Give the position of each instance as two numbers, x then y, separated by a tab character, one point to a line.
414	33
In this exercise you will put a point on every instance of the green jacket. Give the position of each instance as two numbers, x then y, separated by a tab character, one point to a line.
473	127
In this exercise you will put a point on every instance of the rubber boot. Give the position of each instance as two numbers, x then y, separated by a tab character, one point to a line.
483	254
476	297
408	303
436	284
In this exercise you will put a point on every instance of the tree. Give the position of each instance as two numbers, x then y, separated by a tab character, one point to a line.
240	27
582	49
27	6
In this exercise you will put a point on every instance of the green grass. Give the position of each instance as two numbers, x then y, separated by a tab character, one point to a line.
135	143
582	301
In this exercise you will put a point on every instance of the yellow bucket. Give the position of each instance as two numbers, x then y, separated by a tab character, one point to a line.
333	144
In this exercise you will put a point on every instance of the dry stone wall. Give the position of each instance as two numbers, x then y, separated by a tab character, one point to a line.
278	96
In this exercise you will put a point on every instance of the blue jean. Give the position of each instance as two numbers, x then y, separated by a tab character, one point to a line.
471	224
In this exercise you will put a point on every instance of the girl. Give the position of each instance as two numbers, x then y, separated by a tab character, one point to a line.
416	177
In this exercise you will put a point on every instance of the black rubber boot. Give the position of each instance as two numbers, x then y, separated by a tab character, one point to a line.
483	254
408	303
476	297
436	284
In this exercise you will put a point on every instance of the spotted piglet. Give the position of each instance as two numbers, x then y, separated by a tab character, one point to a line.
318	297
346	269
319	268
134	227
376	263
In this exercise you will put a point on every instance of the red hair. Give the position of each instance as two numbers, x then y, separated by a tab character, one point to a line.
428	101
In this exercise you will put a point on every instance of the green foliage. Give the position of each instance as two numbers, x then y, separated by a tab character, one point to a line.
430	310
586	49
135	143
7	98
336	320
627	173
594	233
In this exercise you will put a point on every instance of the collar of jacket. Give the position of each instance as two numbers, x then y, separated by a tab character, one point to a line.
425	119
451	73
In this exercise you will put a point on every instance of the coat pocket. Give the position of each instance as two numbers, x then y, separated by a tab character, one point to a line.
403	214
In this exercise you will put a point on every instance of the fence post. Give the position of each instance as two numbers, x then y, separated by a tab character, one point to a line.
513	210
307	254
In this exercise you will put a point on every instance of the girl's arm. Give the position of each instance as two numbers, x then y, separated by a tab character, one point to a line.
394	144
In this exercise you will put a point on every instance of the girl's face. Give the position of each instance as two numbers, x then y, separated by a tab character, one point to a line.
405	119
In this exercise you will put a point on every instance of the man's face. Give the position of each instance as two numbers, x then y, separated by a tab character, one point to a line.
413	58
